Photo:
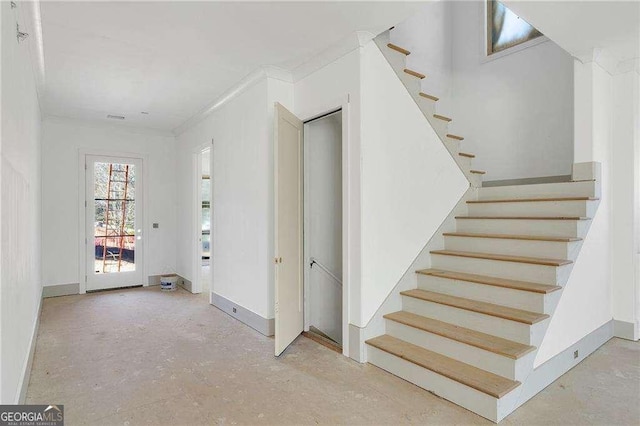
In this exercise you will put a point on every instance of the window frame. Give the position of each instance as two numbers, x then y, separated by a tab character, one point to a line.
488	54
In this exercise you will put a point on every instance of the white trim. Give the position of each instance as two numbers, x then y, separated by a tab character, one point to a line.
626	330
21	394
353	41
244	84
82	198
332	53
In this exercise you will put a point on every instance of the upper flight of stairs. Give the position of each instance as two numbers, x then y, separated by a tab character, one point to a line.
471	329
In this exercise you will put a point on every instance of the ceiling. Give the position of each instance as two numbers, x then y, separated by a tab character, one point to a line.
172	59
581	26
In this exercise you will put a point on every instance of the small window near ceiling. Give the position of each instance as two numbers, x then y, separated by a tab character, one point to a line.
505	29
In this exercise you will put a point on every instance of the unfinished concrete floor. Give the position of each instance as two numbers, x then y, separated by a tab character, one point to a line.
140	356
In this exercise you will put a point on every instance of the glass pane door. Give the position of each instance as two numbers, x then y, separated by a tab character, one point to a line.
115	208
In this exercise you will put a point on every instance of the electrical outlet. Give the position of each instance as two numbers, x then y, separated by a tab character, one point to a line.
575	354
156	225
234	310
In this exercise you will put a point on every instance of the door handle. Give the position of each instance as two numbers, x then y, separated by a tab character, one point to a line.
277	260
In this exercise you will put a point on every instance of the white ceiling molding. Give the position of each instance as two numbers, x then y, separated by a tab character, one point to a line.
332	53
248	81
354	41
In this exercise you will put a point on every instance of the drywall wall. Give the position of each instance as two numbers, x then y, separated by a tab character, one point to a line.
242	178
20	278
586	301
323	223
515	111
624	195
63	140
410	183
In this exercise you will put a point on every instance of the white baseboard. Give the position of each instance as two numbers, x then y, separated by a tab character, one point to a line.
26	369
626	330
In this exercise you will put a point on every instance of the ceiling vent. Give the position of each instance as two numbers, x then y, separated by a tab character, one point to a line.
116	117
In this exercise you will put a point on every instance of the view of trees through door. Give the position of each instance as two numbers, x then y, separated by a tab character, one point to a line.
114	230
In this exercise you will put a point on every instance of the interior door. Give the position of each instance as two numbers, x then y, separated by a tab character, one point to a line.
288	228
113	222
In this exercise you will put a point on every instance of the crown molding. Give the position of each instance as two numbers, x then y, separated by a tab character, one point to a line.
248	81
353	41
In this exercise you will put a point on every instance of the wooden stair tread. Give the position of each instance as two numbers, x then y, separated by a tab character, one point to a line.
465	154
529	200
398	49
433	98
525	217
504	257
414	73
513	237
504	312
442	117
460	138
493	281
478	172
497	345
480	380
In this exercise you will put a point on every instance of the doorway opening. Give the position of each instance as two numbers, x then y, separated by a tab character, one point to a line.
310	228
322	196
113	221
204	217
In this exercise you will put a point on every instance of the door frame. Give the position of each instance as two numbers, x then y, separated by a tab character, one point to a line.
197	228
341	104
82	216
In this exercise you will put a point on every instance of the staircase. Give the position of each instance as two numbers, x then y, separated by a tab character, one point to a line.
470	330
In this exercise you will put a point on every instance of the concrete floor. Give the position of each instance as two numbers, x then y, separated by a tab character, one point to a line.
140	356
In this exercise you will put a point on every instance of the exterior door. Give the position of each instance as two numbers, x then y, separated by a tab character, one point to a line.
114	237
289	321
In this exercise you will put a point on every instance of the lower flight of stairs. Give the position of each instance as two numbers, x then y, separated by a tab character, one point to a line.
470	331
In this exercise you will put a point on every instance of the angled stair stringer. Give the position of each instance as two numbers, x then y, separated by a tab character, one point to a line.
469	324
396	56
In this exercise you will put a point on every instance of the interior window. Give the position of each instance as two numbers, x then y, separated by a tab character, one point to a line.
505	29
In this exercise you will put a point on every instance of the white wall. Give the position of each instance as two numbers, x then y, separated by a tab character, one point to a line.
62	141
586	301
515	111
323	222
20	279
242	177
625	195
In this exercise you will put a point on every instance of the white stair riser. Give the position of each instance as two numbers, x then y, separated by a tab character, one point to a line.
542	209
531	248
507	329
543	274
475	179
413	84
440	126
486	360
469	398
550	228
547	190
464	162
526	300
427	106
